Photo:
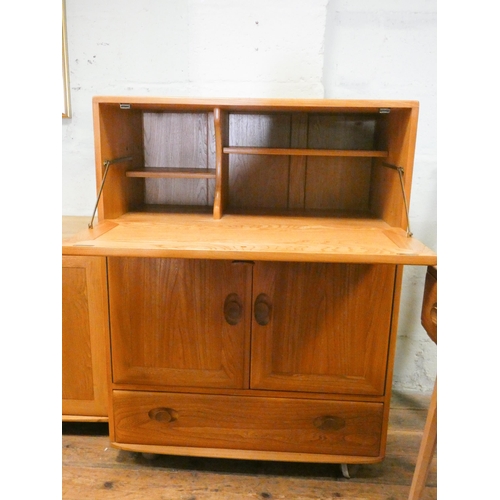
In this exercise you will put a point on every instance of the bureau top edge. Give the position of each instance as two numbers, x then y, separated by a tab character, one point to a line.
257	104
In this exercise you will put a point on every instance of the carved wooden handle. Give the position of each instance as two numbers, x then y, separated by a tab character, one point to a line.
233	309
262	309
163	415
329	423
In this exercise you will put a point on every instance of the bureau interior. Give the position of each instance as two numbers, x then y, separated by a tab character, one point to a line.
264	175
304	162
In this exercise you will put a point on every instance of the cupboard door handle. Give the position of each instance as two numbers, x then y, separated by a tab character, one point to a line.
329	423
233	309
163	415
262	309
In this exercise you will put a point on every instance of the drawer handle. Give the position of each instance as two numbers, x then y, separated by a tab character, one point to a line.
329	423
163	415
233	309
262	309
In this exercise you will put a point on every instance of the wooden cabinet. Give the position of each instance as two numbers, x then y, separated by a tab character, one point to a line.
188	322
185	324
84	338
254	251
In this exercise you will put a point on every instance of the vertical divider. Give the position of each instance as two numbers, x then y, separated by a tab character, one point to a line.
221	163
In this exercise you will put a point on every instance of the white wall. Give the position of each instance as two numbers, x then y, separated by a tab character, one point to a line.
386	49
202	48
259	48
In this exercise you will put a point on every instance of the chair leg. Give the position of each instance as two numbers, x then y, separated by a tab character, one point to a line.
427	448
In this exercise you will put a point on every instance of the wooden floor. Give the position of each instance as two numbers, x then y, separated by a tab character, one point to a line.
91	469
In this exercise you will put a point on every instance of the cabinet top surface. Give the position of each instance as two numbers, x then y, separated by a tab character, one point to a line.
259	104
246	237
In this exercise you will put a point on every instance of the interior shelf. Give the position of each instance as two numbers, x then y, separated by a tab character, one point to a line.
173	173
304	152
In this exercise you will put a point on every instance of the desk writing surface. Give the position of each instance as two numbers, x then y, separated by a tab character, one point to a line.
355	240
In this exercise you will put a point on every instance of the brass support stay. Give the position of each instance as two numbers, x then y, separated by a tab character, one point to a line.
401	172
106	164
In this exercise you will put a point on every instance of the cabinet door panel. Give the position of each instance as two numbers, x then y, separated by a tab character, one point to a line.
180	322
84	337
321	327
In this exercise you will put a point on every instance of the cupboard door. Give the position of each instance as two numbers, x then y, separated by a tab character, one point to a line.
321	327
84	337
180	322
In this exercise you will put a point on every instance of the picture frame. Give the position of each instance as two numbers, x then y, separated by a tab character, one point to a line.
66	108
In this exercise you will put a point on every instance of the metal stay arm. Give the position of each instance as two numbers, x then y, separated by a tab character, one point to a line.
107	164
401	172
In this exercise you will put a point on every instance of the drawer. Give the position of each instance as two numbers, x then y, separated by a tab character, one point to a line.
429	303
248	423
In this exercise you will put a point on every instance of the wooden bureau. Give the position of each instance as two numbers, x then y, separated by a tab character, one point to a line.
253	252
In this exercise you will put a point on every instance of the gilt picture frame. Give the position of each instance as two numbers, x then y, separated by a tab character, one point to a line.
66	107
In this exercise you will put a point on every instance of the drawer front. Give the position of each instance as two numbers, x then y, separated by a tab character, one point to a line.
248	423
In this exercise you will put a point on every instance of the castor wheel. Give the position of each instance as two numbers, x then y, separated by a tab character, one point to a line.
345	471
150	456
349	471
